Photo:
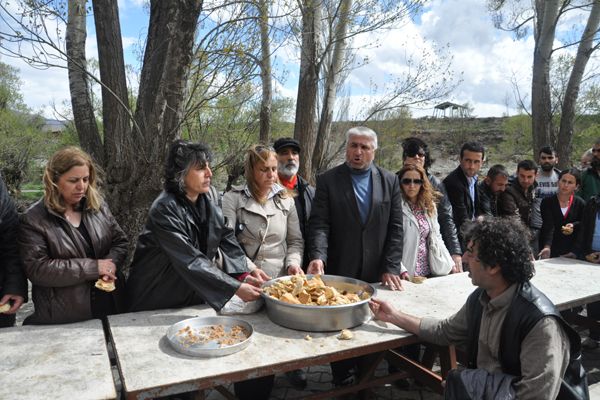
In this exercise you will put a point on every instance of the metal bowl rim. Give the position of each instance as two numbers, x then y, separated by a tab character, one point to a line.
266	297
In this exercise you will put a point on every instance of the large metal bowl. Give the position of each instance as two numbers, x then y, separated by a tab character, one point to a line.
321	318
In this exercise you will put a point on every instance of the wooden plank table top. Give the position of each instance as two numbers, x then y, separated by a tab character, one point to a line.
149	367
67	361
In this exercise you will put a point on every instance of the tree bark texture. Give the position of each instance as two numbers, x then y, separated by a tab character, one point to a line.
305	125
330	93
541	105
135	148
585	49
83	111
265	73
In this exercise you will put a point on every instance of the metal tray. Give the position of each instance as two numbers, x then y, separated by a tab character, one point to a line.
321	318
210	348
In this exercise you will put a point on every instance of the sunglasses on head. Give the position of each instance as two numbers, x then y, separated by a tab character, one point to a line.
408	181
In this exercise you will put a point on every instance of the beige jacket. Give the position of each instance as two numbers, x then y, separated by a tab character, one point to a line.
273	226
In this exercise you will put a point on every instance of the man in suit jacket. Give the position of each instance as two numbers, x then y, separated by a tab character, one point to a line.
355	227
461	185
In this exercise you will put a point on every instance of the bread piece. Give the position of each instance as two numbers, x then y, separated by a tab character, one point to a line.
106	286
592	257
4	308
418	279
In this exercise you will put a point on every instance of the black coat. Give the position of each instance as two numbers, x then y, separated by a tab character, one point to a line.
516	203
445	218
303	202
463	208
488	201
552	221
338	236
583	245
171	268
12	277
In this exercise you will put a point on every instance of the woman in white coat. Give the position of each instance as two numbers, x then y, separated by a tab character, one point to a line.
424	252
264	216
265	221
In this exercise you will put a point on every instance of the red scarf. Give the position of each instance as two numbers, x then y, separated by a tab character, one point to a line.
289	183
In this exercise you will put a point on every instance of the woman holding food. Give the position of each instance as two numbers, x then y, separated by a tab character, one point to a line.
265	220
424	253
561	216
72	247
186	255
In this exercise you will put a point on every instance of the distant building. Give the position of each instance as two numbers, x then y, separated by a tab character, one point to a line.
454	110
54	125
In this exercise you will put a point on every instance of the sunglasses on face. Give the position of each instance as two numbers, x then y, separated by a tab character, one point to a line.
408	181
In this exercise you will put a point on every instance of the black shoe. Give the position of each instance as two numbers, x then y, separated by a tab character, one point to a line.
347	381
297	378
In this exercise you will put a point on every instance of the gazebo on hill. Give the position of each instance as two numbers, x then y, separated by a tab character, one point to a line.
455	110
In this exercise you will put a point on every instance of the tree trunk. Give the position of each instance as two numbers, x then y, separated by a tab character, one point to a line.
83	111
541	105
265	73
330	93
306	100
135	156
584	51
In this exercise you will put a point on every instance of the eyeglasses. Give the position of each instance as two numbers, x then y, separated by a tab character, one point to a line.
408	181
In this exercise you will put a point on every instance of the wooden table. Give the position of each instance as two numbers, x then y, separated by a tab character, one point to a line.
55	361
149	367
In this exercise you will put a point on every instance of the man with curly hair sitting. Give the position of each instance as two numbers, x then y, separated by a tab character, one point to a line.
515	340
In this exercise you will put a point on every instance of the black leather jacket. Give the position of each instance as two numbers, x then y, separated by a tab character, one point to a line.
174	260
303	201
12	277
444	209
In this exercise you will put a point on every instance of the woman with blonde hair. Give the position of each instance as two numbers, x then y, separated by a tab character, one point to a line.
424	253
68	241
264	217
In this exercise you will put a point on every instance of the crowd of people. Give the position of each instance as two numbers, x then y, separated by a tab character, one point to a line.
359	221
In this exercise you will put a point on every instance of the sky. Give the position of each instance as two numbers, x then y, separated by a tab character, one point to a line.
484	59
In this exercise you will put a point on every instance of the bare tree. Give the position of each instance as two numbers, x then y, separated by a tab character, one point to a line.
584	51
545	16
133	144
85	122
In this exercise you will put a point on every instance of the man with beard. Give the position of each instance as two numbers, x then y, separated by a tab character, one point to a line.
490	188
590	179
518	200
288	162
547	178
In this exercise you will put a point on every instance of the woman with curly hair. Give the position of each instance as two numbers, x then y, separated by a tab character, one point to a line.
186	255
424	252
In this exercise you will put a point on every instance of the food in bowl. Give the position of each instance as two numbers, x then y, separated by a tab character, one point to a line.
311	292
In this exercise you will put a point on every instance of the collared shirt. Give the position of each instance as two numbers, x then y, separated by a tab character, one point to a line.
472	181
544	351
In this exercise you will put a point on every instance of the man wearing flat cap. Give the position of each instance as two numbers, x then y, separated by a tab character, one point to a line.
288	162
